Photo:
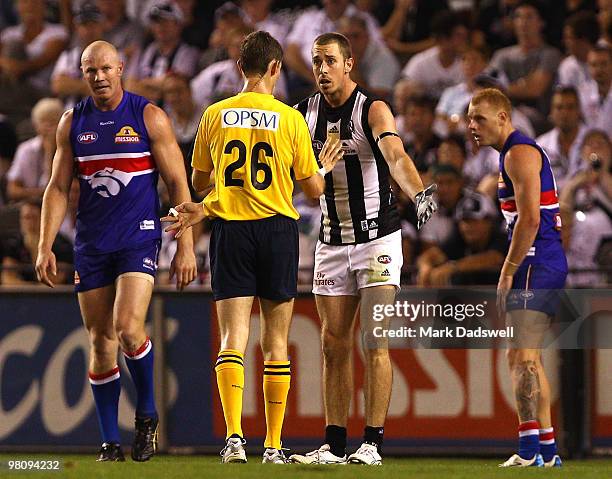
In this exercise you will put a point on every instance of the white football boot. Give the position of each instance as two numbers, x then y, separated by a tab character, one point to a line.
234	451
322	455
274	456
366	454
554	462
518	461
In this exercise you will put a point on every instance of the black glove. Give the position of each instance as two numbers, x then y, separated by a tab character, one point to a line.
425	204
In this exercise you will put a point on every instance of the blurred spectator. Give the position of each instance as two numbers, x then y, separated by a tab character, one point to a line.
125	34
604	16
586	209
28	52
20	251
452	152
473	254
182	111
228	17
441	226
30	49
31	168
184	117
438	67
408	223
557	17
312	23
455	99
375	67
596	94
416	131
380	9
195	24
67	79
8	146
562	143
166	53
530	66
407	30
580	34
8	15
260	16
223	79
494	23
308	228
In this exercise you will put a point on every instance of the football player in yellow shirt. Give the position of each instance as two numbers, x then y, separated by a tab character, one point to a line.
254	143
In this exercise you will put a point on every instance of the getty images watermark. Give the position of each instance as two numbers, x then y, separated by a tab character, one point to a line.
469	318
407	311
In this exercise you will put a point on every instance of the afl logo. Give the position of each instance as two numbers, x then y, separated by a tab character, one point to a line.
527	294
317	145
87	137
384	259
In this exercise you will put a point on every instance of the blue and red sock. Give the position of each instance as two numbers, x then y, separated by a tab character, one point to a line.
140	364
548	446
106	388
529	439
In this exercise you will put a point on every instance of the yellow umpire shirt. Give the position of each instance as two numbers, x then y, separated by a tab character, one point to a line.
253	141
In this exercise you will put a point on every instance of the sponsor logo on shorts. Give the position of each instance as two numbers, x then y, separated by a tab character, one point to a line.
384	259
127	135
385	273
147	225
527	294
77	278
149	264
87	137
321	280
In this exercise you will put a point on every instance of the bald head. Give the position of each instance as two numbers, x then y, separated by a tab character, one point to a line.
102	69
100	48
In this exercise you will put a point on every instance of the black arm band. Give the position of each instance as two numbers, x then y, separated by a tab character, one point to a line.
386	133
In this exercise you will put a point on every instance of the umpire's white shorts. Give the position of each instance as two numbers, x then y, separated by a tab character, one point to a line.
344	270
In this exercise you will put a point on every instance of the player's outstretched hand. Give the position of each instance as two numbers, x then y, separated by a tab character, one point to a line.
330	154
45	261
184	216
425	204
183	265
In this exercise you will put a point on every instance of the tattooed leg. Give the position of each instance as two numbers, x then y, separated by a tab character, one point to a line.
526	381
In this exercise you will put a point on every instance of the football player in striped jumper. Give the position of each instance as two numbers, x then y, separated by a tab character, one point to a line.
358	256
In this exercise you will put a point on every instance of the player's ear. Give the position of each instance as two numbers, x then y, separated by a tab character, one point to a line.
348	64
274	67
120	68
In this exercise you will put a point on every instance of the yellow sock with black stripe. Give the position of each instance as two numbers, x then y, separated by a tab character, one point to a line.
230	380
276	381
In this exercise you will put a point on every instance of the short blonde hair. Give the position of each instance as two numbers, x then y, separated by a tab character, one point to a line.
495	98
45	108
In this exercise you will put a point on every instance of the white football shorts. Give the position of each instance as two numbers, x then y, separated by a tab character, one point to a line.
345	269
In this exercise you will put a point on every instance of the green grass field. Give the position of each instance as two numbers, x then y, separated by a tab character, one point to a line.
184	467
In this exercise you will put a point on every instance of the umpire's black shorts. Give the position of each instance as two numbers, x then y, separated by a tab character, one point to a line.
254	258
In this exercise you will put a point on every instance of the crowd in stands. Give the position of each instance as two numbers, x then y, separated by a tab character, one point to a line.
426	58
